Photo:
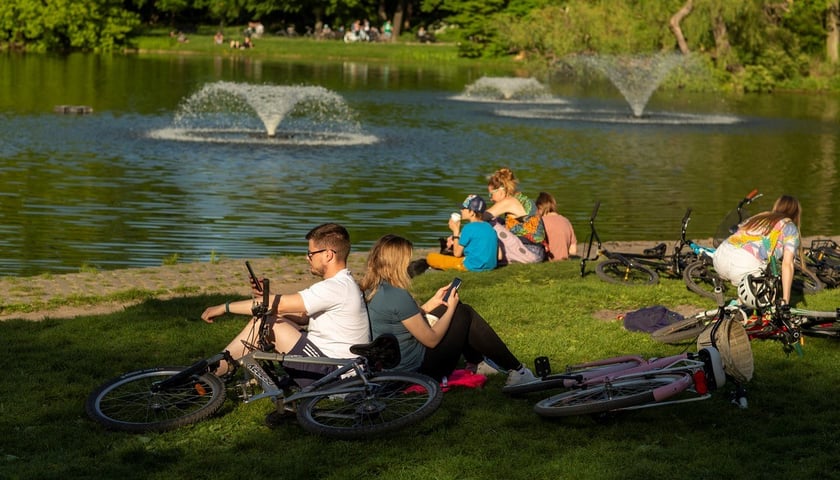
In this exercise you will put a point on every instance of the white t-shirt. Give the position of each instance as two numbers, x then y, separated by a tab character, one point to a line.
337	315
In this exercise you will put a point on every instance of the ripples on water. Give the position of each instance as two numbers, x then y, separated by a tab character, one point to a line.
112	189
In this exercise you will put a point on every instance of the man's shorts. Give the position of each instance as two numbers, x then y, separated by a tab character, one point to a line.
306	373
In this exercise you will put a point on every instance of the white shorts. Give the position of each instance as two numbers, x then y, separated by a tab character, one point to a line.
732	263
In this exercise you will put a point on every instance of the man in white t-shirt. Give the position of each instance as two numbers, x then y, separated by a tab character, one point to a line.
333	309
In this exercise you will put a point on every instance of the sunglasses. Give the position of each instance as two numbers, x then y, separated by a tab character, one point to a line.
309	254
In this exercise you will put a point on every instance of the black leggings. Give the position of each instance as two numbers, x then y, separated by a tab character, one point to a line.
468	335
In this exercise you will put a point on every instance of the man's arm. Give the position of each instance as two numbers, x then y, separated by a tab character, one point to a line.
291	304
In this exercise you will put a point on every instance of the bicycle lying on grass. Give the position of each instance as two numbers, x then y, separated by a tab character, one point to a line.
356	400
626	268
769	320
823	257
632	382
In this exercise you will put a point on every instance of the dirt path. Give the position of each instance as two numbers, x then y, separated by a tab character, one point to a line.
287	274
77	294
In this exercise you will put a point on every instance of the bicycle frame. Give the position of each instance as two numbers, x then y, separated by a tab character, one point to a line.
654	258
645	384
253	362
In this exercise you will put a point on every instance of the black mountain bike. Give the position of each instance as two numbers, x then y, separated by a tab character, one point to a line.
360	398
628	268
823	258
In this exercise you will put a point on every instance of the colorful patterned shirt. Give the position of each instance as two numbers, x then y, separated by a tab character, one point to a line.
786	236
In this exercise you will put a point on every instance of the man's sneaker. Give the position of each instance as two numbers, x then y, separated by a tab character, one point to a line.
520	377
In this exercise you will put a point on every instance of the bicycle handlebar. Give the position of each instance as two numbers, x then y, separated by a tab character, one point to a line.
595	211
751	197
265	293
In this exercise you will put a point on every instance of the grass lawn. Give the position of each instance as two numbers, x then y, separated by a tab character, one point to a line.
405	51
790	429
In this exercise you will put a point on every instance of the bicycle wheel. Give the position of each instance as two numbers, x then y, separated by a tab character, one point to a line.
128	403
700	277
390	401
821	330
616	271
620	394
563	380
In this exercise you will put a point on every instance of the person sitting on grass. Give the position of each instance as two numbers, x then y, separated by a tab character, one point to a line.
560	240
432	336
474	247
324	320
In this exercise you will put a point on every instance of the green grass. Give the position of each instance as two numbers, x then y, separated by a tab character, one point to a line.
790	429
403	52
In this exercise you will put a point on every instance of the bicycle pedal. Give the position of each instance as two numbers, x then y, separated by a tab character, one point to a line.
542	367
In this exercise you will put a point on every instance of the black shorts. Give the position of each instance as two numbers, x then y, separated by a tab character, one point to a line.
306	373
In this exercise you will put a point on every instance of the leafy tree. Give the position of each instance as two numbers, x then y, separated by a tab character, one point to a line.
474	18
62	25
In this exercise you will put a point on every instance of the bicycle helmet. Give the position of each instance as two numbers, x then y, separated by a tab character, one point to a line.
754	292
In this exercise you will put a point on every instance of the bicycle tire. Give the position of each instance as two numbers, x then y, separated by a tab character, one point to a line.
616	395
700	277
384	407
821	330
618	272
561	380
127	403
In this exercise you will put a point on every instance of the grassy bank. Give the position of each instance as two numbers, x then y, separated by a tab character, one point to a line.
545	309
405	51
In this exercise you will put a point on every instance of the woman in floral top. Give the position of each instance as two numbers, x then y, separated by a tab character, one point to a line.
518	223
759	240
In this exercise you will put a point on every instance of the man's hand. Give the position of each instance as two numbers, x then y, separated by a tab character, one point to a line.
212	312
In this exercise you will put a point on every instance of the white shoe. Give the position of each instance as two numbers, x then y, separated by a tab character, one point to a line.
486	369
520	377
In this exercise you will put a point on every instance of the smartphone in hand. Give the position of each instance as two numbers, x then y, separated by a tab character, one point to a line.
454	286
254	280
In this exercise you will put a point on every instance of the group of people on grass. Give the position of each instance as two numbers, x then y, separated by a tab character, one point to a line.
335	313
437	336
514	229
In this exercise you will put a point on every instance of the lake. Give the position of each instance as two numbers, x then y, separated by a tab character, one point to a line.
109	190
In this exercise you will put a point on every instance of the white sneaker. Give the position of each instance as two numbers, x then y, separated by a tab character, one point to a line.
520	377
486	369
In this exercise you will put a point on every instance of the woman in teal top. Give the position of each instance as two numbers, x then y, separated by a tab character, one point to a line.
433	348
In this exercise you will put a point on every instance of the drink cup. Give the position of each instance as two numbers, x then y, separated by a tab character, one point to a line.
456	217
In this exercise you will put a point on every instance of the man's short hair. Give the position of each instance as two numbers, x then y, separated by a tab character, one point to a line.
332	236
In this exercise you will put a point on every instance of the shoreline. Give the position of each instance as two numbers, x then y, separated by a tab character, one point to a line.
93	293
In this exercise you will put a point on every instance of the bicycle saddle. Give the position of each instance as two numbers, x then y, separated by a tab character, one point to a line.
382	353
657	251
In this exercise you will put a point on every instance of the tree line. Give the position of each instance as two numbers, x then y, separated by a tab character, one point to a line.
763	42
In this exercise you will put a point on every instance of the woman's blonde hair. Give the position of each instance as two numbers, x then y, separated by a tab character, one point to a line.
388	261
786	206
503	178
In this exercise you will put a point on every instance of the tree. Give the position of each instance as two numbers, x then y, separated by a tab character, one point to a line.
674	25
832	25
63	25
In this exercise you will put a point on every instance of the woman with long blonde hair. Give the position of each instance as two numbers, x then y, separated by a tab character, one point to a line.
517	221
435	335
759	240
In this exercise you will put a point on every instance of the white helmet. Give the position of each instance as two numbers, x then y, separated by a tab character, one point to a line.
755	292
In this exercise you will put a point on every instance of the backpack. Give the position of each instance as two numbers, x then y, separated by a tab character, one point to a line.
650	319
